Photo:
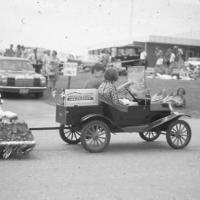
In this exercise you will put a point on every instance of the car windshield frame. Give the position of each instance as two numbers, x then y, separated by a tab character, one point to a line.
16	65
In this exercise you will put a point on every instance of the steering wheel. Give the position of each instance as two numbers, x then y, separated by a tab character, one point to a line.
132	95
139	101
125	86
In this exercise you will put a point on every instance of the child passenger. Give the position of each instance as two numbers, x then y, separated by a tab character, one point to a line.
97	78
179	99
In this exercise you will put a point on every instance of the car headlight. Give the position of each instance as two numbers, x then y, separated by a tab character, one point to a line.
43	81
3	80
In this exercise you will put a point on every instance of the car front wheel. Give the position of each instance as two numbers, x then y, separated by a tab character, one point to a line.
178	134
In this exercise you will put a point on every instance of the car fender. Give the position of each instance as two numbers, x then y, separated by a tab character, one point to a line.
172	117
95	117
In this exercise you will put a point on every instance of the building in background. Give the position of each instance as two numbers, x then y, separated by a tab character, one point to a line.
188	42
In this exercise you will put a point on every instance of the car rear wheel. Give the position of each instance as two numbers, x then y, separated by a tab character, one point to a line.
70	136
178	134
149	136
95	136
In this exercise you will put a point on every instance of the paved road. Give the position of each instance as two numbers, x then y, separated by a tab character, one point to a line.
128	169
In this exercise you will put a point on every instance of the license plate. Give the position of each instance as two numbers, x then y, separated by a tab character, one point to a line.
24	91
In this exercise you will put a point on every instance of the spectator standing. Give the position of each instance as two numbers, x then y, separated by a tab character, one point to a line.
157	52
10	52
172	60
167	57
18	52
175	51
104	58
45	61
167	60
172	57
23	52
36	60
53	71
143	58
180	61
98	75
159	62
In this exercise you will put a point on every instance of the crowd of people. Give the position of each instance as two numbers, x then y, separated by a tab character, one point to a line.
171	64
169	60
19	51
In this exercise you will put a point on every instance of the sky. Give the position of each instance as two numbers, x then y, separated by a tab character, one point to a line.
72	26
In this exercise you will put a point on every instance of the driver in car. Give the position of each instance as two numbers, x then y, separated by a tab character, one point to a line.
108	92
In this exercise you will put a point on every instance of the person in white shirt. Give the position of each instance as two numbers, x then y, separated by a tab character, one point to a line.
159	63
46	61
36	60
172	61
53	71
172	58
143	58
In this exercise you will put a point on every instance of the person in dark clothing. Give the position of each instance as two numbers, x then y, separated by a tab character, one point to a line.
18	52
98	73
10	52
36	61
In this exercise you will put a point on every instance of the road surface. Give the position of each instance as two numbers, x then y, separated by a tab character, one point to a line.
129	168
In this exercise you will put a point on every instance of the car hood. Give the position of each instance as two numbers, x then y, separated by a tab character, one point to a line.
20	74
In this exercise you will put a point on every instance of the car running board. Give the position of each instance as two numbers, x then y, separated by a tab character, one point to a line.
140	128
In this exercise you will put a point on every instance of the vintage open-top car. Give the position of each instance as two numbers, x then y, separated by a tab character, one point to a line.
92	125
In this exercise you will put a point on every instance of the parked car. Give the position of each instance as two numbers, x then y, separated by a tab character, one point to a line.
17	75
87	63
195	61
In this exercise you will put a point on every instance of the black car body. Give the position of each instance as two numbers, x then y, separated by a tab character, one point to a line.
92	125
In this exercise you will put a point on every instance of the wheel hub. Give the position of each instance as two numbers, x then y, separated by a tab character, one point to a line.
95	135
178	134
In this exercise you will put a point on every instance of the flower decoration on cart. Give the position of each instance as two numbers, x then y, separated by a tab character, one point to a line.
15	137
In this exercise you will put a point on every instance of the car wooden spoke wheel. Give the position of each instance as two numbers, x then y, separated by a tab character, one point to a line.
70	136
149	136
95	136
178	134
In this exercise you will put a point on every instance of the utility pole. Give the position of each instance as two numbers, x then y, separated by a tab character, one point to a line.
131	20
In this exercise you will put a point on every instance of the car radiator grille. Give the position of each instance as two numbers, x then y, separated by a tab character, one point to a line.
11	81
24	82
36	82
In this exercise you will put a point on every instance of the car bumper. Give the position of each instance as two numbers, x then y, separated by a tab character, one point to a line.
22	90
